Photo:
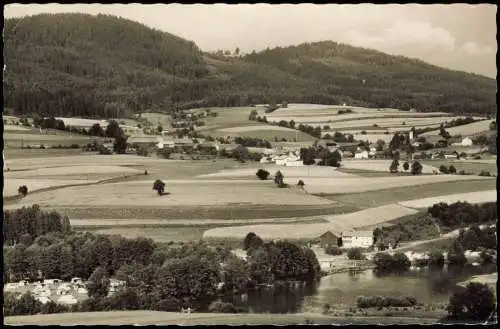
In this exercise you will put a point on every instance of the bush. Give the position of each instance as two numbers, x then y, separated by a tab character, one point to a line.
443	169
416	168
381	302
23	190
301	183
103	150
74	146
484	173
355	254
262	174
452	169
476	303
222	307
462	172
333	250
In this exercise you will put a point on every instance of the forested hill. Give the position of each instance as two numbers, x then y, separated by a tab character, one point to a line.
78	64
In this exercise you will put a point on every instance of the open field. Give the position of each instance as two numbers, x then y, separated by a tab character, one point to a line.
489	279
16	140
336	223
156	119
471	197
230	212
295	172
325	117
389	196
86	123
228	118
266	133
14	128
171	318
187	193
12	184
373	138
40	153
380	165
370	173
469	166
343	185
82	160
176	230
470	129
389	122
254	128
92	173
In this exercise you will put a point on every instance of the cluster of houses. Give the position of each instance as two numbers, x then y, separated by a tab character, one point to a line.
55	290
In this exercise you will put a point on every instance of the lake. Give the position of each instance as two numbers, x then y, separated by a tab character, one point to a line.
427	286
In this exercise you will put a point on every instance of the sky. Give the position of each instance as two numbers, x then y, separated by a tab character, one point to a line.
458	36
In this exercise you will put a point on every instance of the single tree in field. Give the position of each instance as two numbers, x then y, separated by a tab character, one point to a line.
278	179
416	168
301	183
452	169
476	303
262	174
159	186
394	166
23	190
406	166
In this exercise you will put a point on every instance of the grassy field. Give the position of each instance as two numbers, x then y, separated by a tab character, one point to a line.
380	165
370	173
389	196
170	318
465	130
473	166
198	212
267	134
12	184
185	193
343	185
295	172
39	153
16	140
471	197
176	233
336	223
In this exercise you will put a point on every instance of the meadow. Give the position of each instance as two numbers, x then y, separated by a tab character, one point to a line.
388	196
380	165
171	318
473	167
470	129
471	197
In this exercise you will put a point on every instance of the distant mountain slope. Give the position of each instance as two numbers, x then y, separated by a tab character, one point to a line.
78	64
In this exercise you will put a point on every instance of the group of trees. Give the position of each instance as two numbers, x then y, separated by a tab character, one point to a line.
385	263
328	158
26	224
416	167
281	260
462	214
380	302
475	238
448	170
252	142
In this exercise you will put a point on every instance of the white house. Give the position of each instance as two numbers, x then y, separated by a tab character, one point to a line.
466	142
361	155
293	162
360	239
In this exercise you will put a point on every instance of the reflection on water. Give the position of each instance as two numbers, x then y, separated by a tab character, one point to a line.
427	286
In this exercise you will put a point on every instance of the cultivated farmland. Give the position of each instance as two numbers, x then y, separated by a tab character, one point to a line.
343	185
471	197
380	165
470	129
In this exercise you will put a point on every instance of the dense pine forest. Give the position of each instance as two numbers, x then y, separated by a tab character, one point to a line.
104	66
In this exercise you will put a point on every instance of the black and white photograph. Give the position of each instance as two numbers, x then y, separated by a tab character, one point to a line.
249	164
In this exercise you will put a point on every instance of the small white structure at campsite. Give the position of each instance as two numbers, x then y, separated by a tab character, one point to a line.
360	239
361	155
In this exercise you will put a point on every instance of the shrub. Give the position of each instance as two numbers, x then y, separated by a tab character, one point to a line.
406	166
416	168
452	169
301	183
23	190
462	172
74	146
484	173
103	150
443	169
477	157
222	307
262	174
333	250
159	186
355	254
381	302
42	146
